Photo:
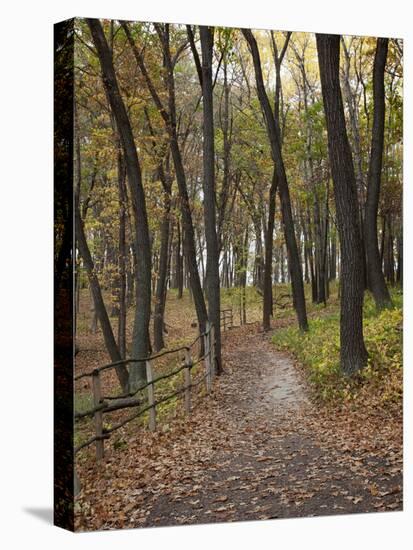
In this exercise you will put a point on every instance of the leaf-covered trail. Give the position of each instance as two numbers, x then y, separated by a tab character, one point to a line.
257	449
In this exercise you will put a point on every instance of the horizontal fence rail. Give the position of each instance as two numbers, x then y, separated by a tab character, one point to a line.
103	404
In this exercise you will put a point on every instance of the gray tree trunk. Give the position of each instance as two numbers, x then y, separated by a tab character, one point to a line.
376	281
288	222
353	354
140	342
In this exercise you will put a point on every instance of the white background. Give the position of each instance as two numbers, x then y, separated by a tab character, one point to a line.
26	272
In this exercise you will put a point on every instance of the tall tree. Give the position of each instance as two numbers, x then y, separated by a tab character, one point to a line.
170	119
212	267
353	353
273	130
267	310
164	173
267	300
140	343
160	294
122	256
84	252
375	278
350	98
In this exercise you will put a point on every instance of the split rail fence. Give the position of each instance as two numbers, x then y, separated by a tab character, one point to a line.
107	404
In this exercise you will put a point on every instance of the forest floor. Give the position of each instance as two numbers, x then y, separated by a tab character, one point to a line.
257	448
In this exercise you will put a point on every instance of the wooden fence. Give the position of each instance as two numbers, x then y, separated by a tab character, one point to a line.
107	404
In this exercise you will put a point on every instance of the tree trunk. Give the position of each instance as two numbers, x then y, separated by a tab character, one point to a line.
375	277
94	317
169	118
350	96
140	343
189	238
122	258
227	144
242	263
400	258
212	266
333	257
258	270
353	354
389	252
160	295
288	222
179	265
267	306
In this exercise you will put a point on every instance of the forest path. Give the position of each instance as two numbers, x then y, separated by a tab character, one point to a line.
257	448
276	462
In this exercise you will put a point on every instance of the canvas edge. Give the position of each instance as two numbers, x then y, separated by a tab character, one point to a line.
63	275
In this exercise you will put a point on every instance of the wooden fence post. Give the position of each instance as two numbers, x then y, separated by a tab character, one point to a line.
187	373
97	398
207	353
151	397
212	348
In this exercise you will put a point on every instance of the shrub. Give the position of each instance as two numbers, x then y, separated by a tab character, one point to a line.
319	352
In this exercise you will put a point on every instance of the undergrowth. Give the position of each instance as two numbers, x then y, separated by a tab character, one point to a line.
319	351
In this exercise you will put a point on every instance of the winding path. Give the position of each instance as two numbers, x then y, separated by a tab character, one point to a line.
257	449
276	465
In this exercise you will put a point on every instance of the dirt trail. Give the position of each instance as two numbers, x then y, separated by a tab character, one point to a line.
276	465
280	380
256	449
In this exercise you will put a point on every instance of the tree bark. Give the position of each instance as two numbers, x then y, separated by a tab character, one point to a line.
375	278
226	128
122	258
140	343
169	118
267	306
179	262
353	354
212	265
399	276
274	137
160	294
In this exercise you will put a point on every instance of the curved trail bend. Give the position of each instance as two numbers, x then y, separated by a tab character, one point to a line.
277	462
257	448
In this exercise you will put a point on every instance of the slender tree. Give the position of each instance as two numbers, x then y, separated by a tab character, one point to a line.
350	98
273	130
122	256
267	310
268	302
375	277
353	354
100	312
140	342
170	119
212	267
160	294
